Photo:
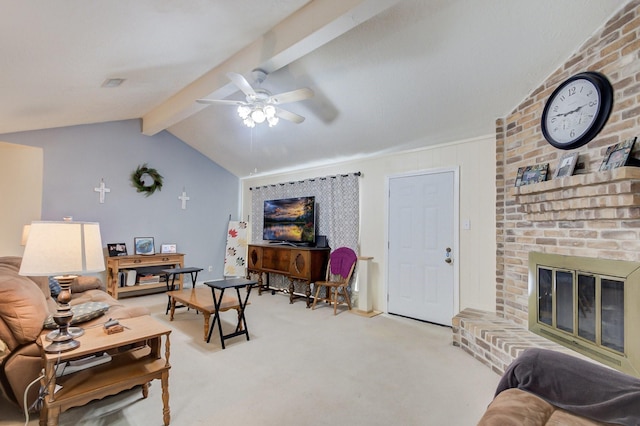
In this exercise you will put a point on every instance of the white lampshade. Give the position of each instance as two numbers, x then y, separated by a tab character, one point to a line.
25	235
62	248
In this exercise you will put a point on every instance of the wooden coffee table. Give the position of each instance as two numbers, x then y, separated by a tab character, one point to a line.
201	299
136	360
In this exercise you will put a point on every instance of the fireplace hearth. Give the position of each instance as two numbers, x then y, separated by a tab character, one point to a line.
588	305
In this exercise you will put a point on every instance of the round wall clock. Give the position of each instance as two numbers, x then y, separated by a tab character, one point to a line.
577	110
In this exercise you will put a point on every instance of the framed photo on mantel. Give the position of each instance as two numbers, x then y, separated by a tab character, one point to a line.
532	174
566	165
619	155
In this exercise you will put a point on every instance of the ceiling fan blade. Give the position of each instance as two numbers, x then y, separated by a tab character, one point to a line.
288	115
293	96
242	83
219	102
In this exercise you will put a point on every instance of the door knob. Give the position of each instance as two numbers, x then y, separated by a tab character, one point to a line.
447	255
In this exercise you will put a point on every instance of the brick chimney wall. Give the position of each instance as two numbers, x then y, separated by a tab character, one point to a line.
595	214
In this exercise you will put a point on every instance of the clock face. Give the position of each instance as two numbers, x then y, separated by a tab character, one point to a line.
577	110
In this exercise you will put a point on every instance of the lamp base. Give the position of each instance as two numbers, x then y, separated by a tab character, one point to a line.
74	332
62	338
56	347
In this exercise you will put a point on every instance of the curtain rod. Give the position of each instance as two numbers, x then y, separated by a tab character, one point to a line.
306	180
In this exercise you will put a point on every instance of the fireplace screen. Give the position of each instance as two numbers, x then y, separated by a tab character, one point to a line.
567	301
587	305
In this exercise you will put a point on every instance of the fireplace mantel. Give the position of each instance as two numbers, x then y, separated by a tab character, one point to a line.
611	194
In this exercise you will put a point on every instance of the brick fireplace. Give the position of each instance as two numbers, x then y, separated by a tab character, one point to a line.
592	214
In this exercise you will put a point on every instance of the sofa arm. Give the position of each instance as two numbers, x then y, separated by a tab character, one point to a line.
584	388
515	407
84	283
20	368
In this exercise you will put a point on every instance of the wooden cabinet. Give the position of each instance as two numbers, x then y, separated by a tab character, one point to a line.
305	264
117	264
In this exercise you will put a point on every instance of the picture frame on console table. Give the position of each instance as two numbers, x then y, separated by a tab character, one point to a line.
117	249
168	248
619	155
532	174
144	245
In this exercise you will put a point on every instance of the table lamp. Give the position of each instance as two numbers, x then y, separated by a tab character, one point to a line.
25	235
65	250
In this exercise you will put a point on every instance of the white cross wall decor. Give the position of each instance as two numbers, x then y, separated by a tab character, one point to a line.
102	189
184	199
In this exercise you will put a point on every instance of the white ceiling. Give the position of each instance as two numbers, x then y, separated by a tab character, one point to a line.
388	75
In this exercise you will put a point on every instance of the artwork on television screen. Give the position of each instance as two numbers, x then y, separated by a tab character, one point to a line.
290	220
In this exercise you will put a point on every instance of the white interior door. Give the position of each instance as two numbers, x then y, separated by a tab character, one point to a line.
421	246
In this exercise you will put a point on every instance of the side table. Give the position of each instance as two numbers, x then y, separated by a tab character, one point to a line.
136	360
171	273
222	285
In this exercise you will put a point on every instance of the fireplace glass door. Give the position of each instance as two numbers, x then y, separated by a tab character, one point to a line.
612	313
565	301
581	304
587	305
545	296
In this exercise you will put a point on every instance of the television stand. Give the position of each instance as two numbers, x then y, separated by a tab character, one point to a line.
306	264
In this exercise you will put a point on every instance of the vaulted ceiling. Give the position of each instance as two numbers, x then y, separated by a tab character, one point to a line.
388	75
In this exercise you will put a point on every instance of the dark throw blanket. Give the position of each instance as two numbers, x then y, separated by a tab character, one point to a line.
578	386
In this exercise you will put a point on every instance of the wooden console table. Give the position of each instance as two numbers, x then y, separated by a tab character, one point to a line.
305	264
136	359
118	263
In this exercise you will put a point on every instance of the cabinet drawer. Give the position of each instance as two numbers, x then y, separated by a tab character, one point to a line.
138	261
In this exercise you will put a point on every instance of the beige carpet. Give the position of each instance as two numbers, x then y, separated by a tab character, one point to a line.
301	367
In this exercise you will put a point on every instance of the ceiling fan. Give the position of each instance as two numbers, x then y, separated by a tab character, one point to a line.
260	105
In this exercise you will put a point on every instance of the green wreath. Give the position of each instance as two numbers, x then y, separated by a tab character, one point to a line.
136	179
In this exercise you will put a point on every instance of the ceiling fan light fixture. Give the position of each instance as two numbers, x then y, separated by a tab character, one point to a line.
258	115
244	111
259	104
270	111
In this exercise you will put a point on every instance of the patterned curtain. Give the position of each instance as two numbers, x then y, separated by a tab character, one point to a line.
337	209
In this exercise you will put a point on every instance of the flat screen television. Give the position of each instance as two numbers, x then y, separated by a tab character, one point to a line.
290	220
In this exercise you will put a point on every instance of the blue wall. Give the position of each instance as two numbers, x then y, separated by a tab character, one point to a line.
76	158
